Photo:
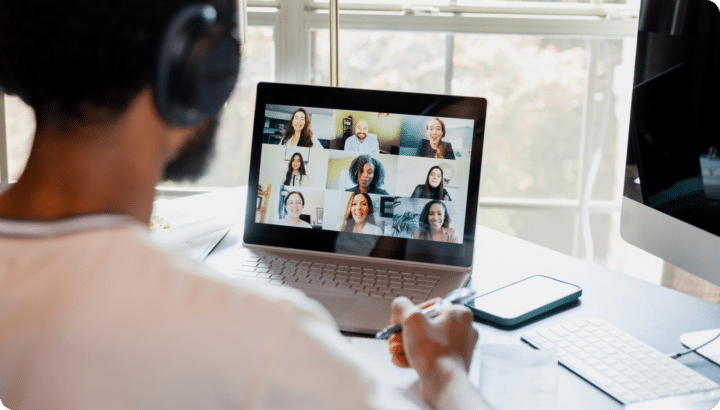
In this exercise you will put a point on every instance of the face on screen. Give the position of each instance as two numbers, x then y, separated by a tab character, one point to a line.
435	177
366	176
296	162
298	120
436	217
361	130
434	131
359	209
294	206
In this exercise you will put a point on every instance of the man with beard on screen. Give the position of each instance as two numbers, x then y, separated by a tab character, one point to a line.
92	314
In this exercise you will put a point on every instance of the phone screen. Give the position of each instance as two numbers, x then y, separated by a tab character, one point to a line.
523	297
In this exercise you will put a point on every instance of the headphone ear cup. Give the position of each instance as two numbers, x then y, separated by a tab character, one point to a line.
197	67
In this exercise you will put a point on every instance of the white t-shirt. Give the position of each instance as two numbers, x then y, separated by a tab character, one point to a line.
287	222
95	316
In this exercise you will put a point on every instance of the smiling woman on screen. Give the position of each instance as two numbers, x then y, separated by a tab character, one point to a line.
298	131
435	223
434	146
294	204
360	216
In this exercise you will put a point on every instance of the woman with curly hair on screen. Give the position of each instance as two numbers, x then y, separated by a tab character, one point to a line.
434	223
360	216
434	187
368	174
298	132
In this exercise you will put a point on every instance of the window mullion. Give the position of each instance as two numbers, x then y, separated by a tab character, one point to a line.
449	51
586	152
293	43
528	25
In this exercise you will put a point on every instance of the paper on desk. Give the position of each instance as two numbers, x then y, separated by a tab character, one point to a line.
377	358
516	377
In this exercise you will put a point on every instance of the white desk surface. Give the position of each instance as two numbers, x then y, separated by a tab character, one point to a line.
653	314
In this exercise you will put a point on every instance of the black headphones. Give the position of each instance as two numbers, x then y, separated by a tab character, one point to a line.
198	63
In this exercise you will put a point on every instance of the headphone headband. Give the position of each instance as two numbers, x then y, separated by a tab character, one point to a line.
198	63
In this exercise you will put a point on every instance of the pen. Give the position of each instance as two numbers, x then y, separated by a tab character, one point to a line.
456	297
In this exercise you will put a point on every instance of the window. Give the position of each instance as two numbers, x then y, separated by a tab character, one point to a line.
557	76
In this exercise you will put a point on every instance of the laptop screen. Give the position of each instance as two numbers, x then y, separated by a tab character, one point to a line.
368	173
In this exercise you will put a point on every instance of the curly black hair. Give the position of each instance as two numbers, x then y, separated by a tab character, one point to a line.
64	58
356	167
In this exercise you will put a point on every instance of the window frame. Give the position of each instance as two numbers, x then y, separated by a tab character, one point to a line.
294	20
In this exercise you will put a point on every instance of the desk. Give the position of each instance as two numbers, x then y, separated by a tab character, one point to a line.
653	314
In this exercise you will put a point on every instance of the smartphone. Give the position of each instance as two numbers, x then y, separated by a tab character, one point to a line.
523	300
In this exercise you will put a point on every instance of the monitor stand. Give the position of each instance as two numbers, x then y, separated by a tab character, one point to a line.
693	339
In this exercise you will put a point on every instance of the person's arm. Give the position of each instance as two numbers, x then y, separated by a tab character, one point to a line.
451	236
417	193
440	350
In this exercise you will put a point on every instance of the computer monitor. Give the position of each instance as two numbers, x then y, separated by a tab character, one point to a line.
671	203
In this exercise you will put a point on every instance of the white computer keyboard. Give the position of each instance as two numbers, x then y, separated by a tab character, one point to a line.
627	369
339	278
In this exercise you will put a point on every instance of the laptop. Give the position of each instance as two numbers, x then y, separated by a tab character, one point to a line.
374	196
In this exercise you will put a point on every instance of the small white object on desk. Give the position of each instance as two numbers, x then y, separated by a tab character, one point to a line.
514	377
194	225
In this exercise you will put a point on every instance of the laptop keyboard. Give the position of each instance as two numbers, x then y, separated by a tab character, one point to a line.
625	368
338	278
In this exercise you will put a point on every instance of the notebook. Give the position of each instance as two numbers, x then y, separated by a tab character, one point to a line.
373	194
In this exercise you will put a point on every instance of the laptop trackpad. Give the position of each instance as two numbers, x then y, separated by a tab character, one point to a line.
337	306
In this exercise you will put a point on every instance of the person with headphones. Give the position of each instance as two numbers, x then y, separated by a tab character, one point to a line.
94	315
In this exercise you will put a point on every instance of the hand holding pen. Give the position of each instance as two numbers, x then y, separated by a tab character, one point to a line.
434	347
456	297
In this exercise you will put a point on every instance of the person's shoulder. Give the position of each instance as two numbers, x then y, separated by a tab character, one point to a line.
316	143
372	229
450	232
448	151
350	142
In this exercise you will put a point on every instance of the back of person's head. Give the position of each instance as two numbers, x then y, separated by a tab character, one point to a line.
69	58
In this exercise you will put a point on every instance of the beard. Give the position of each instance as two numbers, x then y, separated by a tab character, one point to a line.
192	161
